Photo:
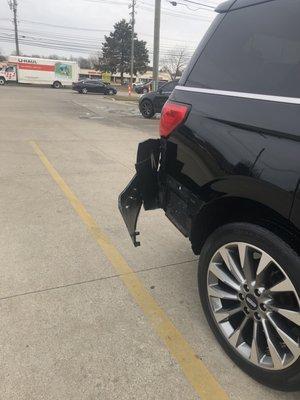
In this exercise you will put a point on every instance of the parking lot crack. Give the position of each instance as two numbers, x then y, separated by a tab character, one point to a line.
49	289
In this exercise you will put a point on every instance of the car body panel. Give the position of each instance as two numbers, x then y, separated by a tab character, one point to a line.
159	97
93	86
233	152
295	214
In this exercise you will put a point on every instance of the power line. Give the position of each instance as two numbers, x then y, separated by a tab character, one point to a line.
85	44
79	38
51	35
166	11
73	48
199	4
58	39
75	28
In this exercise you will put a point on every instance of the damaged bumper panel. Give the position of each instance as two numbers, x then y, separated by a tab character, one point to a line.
153	188
143	188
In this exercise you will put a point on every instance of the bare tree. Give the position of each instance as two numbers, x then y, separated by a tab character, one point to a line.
174	62
95	60
2	56
84	63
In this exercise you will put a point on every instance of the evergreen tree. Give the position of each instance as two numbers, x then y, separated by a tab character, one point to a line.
116	51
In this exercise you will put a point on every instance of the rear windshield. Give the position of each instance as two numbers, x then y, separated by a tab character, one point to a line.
256	50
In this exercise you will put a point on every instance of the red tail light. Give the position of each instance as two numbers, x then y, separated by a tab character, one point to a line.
172	115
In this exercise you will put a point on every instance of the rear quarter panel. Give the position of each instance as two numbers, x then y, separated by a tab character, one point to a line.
237	147
295	216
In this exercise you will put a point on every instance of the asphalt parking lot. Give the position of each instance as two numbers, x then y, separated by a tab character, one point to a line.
84	315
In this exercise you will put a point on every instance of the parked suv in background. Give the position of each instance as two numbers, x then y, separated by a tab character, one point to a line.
153	102
147	87
226	172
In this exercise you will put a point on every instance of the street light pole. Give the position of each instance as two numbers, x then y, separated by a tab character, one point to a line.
156	39
132	6
13	5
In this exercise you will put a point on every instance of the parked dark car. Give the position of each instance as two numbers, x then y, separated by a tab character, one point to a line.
226	171
153	102
93	85
147	87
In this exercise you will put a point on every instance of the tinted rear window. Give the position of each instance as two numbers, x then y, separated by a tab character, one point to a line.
169	86
256	50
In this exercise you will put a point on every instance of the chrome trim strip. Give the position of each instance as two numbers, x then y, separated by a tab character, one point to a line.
252	96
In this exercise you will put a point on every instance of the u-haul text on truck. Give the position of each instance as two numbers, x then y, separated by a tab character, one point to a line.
56	73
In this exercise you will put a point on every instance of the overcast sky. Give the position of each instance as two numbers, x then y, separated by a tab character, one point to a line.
77	27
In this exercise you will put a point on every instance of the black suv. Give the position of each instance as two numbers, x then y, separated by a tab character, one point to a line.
226	172
153	102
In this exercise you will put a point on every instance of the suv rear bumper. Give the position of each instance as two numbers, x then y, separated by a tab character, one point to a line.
143	188
154	189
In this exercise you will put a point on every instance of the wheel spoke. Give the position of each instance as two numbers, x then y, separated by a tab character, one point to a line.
246	263
224	314
223	276
236	337
293	316
216	291
231	264
283	286
264	261
254	354
276	358
291	344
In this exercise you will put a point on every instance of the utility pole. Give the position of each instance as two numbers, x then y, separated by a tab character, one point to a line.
156	39
13	5
132	6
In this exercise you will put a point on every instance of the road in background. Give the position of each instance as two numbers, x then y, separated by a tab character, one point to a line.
69	327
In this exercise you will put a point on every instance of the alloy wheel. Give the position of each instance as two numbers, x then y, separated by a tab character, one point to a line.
255	305
146	108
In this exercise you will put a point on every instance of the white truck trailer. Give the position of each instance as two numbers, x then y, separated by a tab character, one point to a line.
39	71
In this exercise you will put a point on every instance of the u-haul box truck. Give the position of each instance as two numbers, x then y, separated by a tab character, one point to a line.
40	71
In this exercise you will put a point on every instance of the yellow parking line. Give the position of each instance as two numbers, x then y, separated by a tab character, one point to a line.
195	371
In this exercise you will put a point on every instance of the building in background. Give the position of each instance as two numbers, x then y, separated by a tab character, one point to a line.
89	74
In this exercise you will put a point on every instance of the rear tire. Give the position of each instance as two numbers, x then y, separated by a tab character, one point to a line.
147	109
57	85
2	81
250	348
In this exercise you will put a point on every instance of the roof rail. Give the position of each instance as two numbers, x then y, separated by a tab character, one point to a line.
225	6
231	5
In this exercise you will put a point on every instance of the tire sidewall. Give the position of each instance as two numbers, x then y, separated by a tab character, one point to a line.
148	116
57	85
287	379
